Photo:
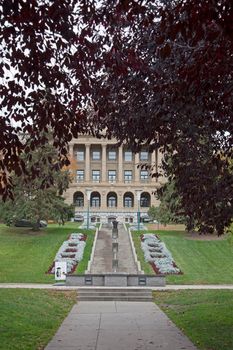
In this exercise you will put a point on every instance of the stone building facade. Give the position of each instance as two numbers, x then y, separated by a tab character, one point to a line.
108	181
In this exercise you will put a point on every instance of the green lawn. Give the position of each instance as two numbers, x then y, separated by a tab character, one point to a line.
202	262
26	255
206	317
137	244
30	318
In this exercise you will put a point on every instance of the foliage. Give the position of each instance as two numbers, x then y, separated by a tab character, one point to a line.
169	209
204	316
154	73
31	200
29	318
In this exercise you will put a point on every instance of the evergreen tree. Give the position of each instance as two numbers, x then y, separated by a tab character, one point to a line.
33	202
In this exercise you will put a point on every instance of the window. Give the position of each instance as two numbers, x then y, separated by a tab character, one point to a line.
95	199
112	175
128	202
143	155
80	155
79	199
80	175
112	200
96	175
144	175
128	156
96	155
112	155
145	200
128	176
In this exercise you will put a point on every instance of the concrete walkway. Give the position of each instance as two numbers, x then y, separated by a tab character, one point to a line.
110	325
167	287
102	262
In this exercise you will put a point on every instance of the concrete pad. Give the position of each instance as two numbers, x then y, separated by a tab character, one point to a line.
118	326
136	307
93	307
115	340
118	321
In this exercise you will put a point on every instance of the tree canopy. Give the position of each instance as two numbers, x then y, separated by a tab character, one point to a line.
146	72
32	201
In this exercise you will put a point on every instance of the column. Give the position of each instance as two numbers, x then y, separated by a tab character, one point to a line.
71	151
120	163
153	164
159	163
136	169
104	163
87	163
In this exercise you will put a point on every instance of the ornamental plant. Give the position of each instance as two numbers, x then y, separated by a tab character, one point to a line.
157	254
71	251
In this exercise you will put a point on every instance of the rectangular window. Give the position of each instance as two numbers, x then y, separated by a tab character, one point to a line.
128	176
112	175
96	155
112	155
96	175
80	156
144	175
144	155
128	156
80	175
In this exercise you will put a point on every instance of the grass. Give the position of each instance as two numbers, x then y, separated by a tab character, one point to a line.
82	266
204	316
137	244
30	318
202	262
26	255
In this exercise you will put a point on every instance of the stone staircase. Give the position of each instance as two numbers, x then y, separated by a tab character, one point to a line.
114	294
103	255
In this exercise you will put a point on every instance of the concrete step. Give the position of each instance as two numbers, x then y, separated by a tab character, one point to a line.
121	293
114	290
114	294
114	298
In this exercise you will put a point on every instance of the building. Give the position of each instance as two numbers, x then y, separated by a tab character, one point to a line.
109	182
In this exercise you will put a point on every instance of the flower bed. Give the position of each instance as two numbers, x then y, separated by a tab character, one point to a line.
157	254
71	251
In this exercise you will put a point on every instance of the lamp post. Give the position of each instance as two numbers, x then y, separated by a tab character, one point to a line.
138	193
88	193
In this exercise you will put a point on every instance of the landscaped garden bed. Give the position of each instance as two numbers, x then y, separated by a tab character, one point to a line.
157	254
71	251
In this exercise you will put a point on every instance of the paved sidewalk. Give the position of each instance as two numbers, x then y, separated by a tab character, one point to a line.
110	325
64	287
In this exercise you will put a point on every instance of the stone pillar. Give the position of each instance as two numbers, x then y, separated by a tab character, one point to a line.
136	169
87	163
154	165
120	163
71	151
159	162
104	164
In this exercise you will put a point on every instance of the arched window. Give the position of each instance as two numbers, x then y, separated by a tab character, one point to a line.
78	199
95	199
145	199
112	200
128	200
